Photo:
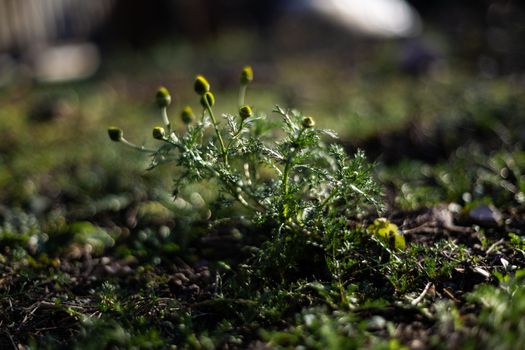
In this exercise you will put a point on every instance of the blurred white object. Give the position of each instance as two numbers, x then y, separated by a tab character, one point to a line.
379	18
24	23
65	62
47	39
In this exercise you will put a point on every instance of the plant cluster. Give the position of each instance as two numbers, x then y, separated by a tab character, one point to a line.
281	171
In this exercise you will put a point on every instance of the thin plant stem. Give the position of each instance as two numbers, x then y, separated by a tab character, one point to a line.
232	188
137	147
286	174
242	94
219	137
165	119
327	200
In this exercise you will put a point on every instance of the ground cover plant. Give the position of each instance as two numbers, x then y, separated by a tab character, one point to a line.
276	236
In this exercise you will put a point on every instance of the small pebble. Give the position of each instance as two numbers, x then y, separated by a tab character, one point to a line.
486	215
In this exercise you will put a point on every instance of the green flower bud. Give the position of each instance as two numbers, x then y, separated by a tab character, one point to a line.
308	122
209	97
201	85
115	134
163	97
187	115
245	112
246	75
158	133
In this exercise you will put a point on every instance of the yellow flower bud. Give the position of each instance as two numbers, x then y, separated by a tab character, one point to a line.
115	134
245	112
246	75
163	97
201	85
209	97
388	231
187	115
158	133
308	122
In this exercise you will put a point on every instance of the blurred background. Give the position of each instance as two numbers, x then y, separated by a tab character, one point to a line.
403	79
52	40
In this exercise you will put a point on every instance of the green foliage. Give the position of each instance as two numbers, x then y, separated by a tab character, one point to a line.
19	229
470	174
518	242
282	173
501	324
317	328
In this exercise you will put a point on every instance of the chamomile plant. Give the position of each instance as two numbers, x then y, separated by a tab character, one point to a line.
281	168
